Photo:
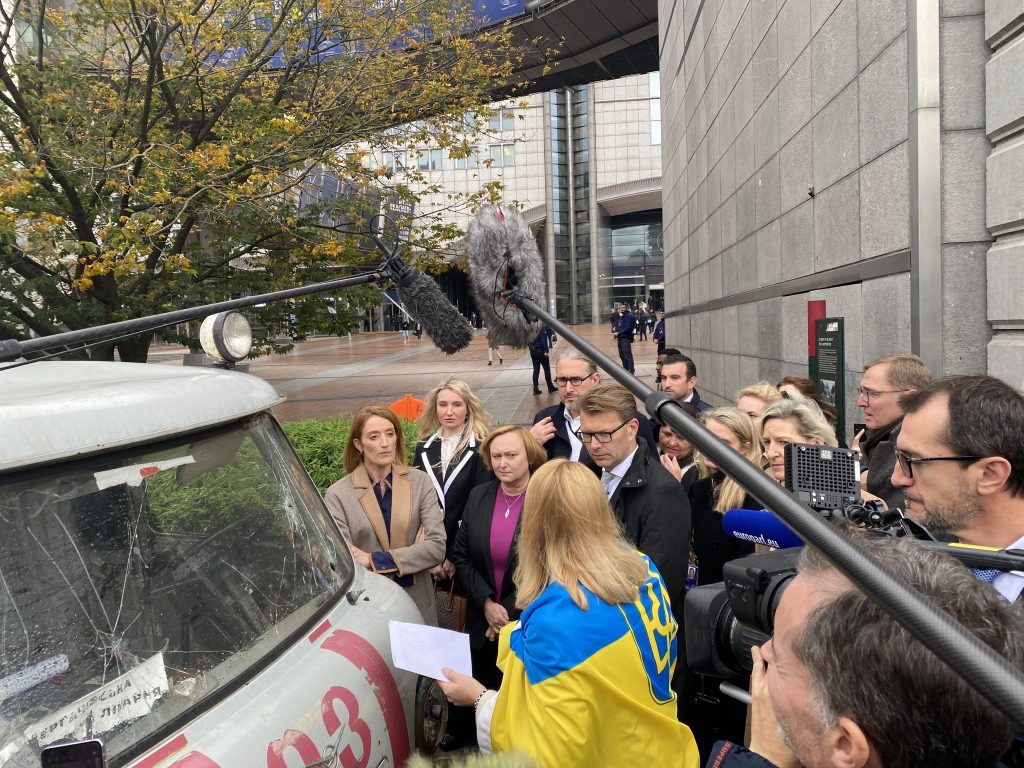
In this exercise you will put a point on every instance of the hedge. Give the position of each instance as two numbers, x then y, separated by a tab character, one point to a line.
320	444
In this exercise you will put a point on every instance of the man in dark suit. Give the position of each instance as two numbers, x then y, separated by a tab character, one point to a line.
648	502
555	426
623	333
679	379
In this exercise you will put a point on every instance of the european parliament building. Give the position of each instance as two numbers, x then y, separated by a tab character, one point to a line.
584	164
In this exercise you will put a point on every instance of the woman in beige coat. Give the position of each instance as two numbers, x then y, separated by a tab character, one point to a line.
387	511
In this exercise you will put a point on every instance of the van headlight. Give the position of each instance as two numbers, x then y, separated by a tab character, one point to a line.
226	337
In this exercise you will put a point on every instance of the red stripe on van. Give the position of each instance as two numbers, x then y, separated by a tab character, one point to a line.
317	633
360	652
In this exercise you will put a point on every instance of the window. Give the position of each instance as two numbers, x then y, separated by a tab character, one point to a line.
503	155
394	162
465	163
503	120
176	569
430	160
655	103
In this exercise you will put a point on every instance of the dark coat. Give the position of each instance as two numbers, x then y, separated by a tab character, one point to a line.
464	474
699	404
541	343
655	515
471	557
713	546
725	754
880	463
559	446
625	325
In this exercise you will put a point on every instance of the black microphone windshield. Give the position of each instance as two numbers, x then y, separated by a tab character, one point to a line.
502	253
441	321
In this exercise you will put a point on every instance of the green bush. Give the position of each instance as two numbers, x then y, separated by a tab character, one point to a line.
320	444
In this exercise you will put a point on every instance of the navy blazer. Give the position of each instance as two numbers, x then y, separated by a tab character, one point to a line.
465	472
560	447
471	557
625	325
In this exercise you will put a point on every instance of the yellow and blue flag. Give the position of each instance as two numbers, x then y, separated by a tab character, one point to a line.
592	687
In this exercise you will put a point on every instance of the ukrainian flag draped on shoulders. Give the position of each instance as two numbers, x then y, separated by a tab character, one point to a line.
591	687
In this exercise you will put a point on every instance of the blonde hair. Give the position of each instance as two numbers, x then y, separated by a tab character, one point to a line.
810	421
905	371
478	421
535	453
729	494
762	390
569	535
353	457
608	398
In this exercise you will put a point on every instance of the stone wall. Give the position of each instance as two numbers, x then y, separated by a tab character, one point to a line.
1004	126
825	149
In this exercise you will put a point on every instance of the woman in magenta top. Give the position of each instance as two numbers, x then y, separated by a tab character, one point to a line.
484	553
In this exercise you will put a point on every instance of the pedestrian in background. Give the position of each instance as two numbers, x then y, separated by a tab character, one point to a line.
540	349
623	332
492	349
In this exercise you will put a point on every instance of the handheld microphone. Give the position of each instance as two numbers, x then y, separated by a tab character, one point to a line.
423	299
502	254
760	526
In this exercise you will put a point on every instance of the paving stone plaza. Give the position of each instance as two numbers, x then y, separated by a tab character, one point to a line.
334	376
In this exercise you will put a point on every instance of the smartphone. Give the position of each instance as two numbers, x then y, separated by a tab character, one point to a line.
79	754
859	426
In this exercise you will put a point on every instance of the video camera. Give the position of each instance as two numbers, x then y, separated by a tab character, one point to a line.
724	620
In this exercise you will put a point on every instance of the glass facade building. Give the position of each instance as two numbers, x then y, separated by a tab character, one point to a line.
637	259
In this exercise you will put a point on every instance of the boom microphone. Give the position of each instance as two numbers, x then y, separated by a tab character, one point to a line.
759	526
422	296
502	254
441	321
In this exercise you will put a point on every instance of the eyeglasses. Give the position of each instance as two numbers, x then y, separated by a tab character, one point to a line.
867	394
574	380
907	462
602	437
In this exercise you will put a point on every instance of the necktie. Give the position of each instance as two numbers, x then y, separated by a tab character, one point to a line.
606	480
986	575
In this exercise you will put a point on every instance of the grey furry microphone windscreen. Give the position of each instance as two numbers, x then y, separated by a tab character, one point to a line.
500	247
441	321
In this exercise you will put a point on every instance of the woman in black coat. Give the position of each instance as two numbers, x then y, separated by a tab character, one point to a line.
710	715
715	493
450	430
484	558
485	548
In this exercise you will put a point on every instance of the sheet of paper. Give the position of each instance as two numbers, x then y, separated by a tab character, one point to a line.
123	699
424	650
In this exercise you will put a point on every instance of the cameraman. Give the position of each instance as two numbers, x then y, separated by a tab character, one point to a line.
843	684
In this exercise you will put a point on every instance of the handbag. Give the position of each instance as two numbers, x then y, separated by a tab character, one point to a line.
451	607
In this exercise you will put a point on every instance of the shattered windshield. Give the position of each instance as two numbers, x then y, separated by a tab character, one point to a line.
135	585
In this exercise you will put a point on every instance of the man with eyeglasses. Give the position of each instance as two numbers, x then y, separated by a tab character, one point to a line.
650	505
960	464
555	426
884	381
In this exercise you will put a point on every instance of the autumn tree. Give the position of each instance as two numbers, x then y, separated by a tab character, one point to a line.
164	153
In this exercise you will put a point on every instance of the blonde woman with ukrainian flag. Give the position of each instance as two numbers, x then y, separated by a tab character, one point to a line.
587	667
